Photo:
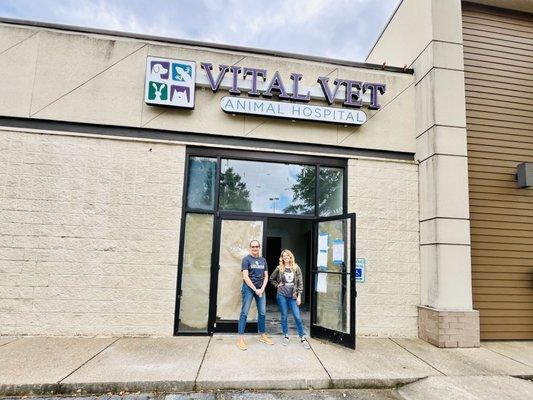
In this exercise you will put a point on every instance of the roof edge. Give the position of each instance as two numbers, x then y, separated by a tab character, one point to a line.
244	49
384	29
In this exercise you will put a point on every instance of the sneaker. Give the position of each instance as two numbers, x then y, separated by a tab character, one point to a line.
265	339
241	344
285	341
305	343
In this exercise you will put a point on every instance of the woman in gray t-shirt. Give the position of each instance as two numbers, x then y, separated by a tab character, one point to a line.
287	278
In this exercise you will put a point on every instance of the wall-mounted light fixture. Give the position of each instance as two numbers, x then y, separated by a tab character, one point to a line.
524	175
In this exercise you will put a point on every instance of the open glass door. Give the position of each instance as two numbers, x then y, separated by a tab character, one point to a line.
235	234
333	277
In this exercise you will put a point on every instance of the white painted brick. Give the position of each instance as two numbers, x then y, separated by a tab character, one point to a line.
89	235
384	196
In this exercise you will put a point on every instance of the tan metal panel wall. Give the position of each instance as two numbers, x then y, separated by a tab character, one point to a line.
498	51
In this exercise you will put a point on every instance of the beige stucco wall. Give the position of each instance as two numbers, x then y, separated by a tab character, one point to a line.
384	196
88	235
427	35
60	75
90	226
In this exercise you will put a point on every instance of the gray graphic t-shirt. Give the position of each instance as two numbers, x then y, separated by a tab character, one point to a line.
287	278
256	269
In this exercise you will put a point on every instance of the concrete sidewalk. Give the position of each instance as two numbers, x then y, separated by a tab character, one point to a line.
44	366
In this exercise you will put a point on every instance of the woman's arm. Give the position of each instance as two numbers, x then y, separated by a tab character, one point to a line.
247	280
274	277
299	281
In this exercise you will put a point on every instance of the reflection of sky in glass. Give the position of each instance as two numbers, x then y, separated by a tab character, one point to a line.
270	184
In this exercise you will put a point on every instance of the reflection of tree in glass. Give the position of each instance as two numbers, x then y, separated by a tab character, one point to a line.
233	192
330	191
204	168
330	186
304	193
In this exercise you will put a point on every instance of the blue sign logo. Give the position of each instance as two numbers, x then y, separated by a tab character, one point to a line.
360	264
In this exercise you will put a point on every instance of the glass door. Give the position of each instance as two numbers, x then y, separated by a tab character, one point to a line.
235	234
333	278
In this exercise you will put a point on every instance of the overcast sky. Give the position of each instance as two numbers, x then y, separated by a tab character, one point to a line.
344	29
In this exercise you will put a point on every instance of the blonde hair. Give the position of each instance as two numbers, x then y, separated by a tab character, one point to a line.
292	263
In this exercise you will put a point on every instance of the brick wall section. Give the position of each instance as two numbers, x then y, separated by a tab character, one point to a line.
449	328
88	235
384	196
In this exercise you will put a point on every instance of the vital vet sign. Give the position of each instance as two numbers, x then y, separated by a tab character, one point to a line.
256	92
239	105
170	82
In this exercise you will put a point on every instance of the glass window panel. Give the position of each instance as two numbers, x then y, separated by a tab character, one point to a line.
235	237
196	274
333	306
201	183
267	187
332	243
330	189
332	286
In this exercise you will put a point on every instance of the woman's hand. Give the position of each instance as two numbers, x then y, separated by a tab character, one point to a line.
298	300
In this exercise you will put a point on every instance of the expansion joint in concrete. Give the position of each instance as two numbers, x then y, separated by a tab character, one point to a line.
88	360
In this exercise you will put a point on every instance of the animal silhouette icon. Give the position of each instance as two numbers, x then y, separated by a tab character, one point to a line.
158	70
183	74
158	90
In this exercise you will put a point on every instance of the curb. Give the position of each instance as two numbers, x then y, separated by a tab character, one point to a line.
98	388
38	389
373	383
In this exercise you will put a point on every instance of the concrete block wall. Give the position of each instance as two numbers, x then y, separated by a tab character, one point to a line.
88	235
449	328
384	196
437	59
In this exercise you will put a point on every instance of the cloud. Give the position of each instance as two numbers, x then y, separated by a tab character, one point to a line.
344	29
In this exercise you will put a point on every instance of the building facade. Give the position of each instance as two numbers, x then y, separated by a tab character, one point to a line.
471	62
135	170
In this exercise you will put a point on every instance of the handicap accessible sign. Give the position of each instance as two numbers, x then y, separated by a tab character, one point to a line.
360	264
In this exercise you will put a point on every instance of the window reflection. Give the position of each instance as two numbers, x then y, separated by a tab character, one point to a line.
330	187
267	187
201	183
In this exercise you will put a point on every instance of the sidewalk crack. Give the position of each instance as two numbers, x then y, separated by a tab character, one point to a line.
11	341
323	366
201	363
505	355
84	363
421	359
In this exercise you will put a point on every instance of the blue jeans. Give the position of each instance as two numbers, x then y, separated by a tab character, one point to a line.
247	296
284	304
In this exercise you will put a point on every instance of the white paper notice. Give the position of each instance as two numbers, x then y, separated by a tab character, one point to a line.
338	251
322	259
321	283
323	242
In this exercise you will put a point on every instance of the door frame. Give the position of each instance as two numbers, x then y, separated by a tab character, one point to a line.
228	326
236	154
342	338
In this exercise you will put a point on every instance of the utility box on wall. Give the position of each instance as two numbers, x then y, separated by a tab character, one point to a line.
524	175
